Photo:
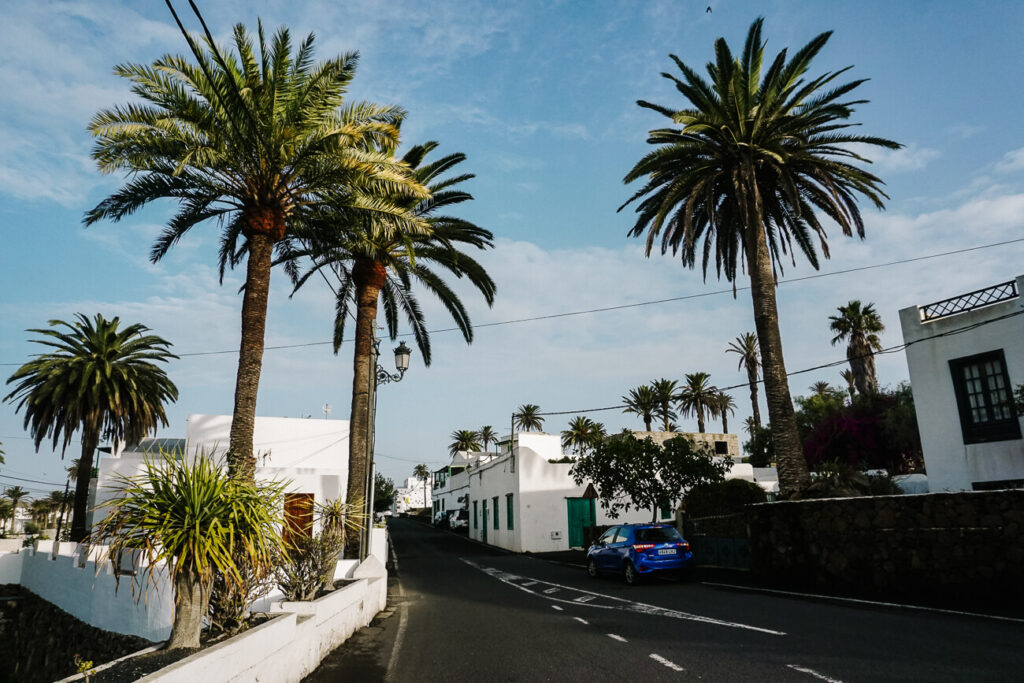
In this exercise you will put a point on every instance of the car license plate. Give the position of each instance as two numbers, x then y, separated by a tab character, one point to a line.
667	551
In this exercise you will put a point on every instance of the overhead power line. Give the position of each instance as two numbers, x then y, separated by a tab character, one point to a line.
619	307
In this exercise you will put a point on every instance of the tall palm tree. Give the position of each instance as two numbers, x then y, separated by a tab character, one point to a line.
15	494
860	326
41	509
527	418
464	440
374	259
583	433
244	141
665	391
725	406
851	382
422	472
698	397
487	436
6	513
820	389
99	379
1	455
745	347
755	158
642	401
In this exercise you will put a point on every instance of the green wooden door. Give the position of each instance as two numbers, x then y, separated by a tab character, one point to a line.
484	539
582	513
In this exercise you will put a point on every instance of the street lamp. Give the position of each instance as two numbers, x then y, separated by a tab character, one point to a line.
379	376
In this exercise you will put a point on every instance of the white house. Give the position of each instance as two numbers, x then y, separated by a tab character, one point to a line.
310	454
966	355
413	495
450	488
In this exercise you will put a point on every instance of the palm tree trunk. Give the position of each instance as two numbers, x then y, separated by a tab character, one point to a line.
241	458
90	440
191	603
647	422
725	423
752	381
700	418
369	278
789	456
664	415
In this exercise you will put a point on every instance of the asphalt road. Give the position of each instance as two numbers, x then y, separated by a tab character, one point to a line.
460	611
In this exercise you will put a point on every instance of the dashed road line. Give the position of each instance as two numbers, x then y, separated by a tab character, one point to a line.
585	598
812	672
670	664
556	607
617	637
549	591
525	583
582	621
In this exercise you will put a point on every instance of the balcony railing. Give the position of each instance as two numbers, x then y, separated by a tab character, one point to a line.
970	301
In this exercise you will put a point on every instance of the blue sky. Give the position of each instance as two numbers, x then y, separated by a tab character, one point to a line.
541	98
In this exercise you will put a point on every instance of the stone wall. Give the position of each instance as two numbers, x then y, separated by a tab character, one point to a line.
970	543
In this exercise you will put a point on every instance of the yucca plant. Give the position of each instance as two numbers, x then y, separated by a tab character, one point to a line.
189	514
307	566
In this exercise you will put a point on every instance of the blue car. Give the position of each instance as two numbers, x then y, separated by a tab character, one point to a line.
636	550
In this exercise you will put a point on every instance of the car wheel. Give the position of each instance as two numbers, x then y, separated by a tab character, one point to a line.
592	568
631	575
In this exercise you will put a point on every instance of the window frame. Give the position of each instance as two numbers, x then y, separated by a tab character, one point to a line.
1004	429
475	525
509	513
497	523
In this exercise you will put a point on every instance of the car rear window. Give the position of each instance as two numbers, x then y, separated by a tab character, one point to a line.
658	534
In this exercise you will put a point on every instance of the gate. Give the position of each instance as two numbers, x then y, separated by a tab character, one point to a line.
719	541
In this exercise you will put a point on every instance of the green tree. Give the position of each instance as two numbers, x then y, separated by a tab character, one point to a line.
245	141
376	260
15	494
383	493
859	326
642	401
698	397
583	433
851	382
422	473
757	157
527	418
665	391
464	440
633	474
725	406
6	513
760	449
98	379
488	436
745	346
191	515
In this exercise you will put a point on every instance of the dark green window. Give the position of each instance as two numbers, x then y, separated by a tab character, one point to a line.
667	512
509	516
495	500
475	525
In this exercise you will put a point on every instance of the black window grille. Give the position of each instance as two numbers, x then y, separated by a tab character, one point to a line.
984	398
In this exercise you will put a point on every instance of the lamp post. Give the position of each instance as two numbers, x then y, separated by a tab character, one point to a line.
378	376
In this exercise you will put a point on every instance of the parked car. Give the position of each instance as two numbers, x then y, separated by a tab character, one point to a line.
441	519
458	520
637	550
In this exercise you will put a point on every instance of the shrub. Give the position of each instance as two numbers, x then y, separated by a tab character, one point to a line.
723	498
32	528
230	600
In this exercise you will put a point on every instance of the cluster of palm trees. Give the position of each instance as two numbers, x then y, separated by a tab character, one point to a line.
9	504
472	441
696	397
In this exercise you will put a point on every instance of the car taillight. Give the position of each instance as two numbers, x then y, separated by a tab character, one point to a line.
684	545
642	546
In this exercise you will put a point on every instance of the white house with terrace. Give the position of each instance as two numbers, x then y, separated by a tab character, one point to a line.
966	355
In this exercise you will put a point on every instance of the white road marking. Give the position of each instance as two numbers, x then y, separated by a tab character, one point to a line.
530	583
670	664
557	608
549	591
402	621
515	581
812	672
835	598
615	637
582	621
585	598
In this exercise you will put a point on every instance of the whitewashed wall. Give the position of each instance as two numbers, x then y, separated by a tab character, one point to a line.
951	464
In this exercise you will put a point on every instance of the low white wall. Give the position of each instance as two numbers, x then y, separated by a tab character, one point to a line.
90	592
10	567
292	645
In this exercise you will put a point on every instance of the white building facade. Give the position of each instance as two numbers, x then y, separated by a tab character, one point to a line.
414	494
965	356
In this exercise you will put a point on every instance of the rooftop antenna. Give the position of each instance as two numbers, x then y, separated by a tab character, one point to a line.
327	411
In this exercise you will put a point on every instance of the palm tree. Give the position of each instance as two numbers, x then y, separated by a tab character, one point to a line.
745	347
487	436
6	513
1	455
15	495
820	389
244	141
665	391
583	433
642	401
725	406
99	379
376	260
851	382
756	158
698	397
422	472
41	509
861	326
527	418
464	440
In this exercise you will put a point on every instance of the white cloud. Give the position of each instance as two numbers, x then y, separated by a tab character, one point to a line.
1012	161
907	158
